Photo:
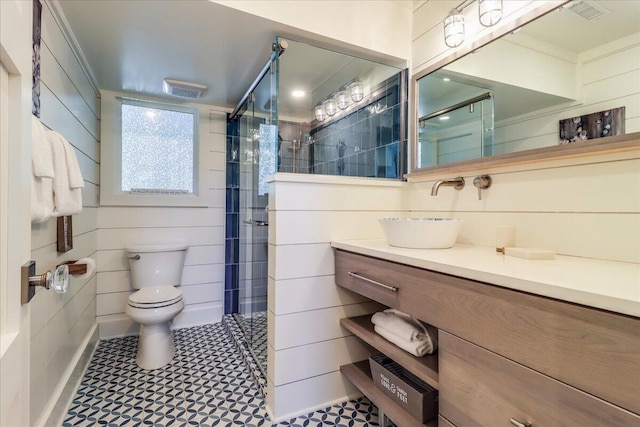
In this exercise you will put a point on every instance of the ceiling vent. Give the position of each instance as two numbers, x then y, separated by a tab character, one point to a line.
589	10
183	89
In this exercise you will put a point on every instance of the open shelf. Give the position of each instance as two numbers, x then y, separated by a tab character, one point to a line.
425	368
360	376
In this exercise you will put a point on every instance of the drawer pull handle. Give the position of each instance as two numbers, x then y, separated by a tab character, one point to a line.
518	423
366	279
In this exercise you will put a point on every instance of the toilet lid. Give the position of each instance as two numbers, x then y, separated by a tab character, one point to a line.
156	295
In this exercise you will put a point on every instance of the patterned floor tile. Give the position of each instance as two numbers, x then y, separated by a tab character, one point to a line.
209	383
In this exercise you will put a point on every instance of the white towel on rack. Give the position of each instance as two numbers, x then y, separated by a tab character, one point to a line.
41	158
67	200
73	168
41	198
41	173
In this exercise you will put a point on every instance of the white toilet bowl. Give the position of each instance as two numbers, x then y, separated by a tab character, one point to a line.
154	309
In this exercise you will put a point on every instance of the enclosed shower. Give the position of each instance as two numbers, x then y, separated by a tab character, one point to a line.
309	111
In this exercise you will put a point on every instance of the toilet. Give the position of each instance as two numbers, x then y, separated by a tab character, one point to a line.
155	271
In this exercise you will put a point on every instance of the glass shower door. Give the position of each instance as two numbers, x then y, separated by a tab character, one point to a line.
258	154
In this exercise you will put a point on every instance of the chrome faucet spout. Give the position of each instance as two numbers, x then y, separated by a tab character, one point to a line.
457	183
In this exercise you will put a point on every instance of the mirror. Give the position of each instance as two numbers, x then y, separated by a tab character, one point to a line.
511	94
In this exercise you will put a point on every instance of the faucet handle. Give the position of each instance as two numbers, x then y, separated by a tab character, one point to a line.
482	182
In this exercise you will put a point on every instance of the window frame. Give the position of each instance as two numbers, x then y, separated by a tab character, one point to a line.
111	193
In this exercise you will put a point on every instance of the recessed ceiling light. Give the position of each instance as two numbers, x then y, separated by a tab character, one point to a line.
446	79
297	93
444	118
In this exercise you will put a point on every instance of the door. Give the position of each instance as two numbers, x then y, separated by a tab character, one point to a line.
258	157
15	226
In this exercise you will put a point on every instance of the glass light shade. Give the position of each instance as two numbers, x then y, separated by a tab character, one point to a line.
342	99
490	12
330	107
319	112
454	29
357	91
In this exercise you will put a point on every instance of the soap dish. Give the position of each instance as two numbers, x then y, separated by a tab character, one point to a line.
530	253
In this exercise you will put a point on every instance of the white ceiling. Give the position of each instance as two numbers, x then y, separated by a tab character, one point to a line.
133	45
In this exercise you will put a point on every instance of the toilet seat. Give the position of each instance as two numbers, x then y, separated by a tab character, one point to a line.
156	297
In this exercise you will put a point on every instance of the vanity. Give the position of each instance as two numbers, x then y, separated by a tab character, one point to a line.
521	342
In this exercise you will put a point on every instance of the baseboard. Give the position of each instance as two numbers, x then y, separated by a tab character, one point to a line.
120	325
56	409
309	410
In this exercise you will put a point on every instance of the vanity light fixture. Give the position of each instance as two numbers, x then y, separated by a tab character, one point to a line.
454	29
490	12
342	99
330	107
357	91
319	112
339	100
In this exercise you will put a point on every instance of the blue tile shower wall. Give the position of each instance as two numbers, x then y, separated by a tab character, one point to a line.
232	226
367	142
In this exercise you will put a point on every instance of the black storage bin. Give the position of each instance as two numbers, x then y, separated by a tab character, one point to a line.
410	392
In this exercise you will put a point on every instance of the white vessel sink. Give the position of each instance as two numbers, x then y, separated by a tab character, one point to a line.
421	233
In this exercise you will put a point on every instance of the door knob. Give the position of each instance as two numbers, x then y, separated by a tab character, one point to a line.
59	280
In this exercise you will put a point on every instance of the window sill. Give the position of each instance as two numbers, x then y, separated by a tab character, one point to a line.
154	200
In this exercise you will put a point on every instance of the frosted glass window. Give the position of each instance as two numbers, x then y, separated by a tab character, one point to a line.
158	146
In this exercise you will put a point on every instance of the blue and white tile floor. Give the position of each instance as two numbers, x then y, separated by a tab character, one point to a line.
207	384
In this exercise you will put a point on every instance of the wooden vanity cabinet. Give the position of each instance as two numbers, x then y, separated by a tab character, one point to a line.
579	359
479	387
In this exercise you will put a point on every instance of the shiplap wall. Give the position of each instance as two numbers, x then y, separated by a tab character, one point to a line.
306	344
63	325
588	208
200	228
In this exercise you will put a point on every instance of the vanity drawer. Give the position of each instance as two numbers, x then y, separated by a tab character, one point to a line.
370	277
480	388
593	350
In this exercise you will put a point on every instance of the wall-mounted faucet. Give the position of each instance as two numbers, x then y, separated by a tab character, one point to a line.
457	183
482	182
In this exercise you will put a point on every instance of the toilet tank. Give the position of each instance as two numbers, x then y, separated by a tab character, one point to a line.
156	265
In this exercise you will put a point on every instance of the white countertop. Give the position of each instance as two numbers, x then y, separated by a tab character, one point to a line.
609	285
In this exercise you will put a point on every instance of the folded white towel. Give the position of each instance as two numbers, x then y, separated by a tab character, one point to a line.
418	348
41	198
40	150
67	200
401	324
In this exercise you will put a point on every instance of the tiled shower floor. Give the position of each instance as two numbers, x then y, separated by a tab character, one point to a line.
207	384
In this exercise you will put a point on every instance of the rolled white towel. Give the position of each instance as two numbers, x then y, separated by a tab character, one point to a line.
418	348
401	324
